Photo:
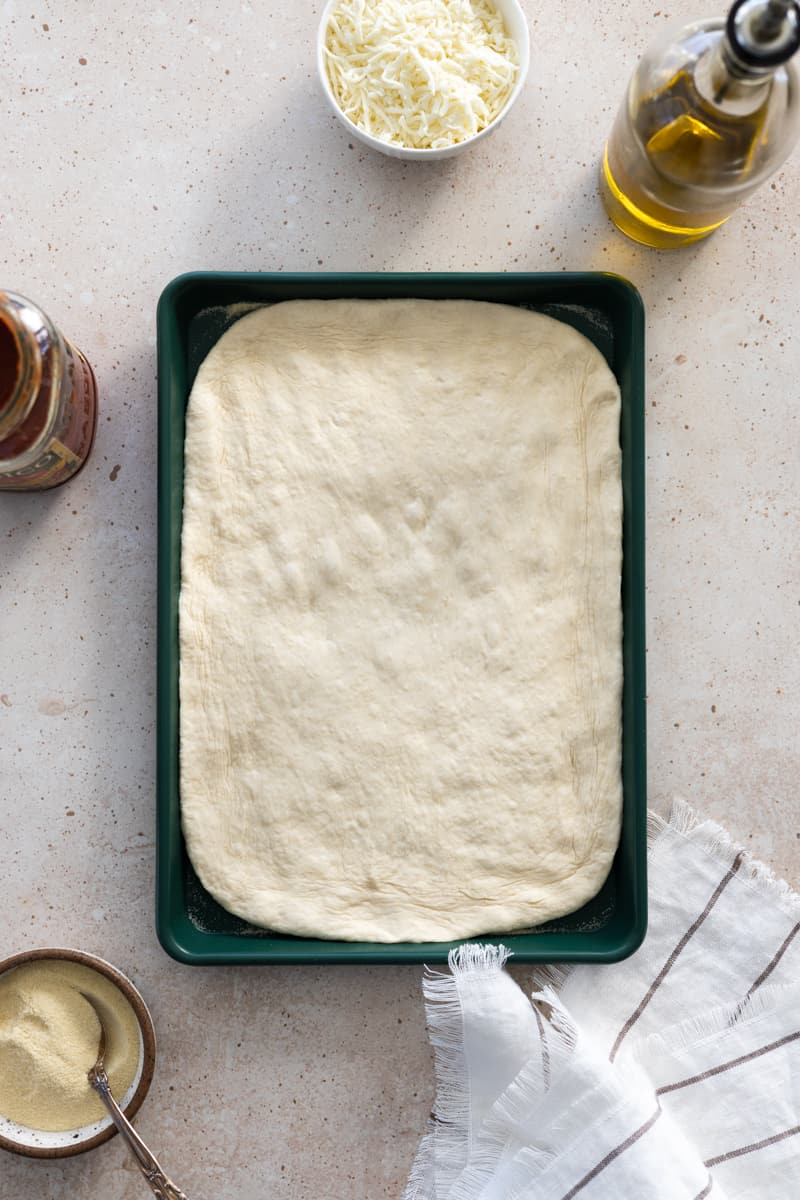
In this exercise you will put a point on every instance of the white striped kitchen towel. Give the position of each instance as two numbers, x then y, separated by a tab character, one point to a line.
673	1075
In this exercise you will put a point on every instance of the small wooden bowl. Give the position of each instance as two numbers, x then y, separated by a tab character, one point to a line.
35	1143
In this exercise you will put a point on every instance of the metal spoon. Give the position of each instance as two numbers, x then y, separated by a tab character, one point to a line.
160	1184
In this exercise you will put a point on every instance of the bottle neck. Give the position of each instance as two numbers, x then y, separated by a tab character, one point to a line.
731	86
759	36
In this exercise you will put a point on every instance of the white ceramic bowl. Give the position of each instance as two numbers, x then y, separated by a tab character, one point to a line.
517	28
35	1143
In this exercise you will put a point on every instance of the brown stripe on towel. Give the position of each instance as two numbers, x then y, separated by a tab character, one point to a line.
668	965
734	1062
612	1154
772	964
702	1195
762	1145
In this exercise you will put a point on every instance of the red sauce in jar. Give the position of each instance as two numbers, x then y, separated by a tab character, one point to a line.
9	363
60	421
30	428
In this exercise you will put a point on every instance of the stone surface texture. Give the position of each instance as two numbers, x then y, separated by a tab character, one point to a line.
143	141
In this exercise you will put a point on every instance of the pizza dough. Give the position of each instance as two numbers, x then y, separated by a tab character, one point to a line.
400	619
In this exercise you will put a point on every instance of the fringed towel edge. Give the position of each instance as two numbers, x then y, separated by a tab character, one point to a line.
527	1090
445	1147
719	845
708	1026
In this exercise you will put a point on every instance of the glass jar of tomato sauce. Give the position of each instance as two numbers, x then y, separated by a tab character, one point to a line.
48	400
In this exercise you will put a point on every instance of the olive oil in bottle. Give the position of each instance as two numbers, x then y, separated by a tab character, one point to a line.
710	113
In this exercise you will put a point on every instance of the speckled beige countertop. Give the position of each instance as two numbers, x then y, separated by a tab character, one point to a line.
143	141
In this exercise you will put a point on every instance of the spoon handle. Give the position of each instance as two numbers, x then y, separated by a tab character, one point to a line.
160	1184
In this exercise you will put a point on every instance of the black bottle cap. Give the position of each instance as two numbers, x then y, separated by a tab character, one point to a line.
764	33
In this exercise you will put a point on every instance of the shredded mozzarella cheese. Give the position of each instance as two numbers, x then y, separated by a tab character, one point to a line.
424	74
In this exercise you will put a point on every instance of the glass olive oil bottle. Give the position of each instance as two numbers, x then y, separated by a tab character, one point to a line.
710	113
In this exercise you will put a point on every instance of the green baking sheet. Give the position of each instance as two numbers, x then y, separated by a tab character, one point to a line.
193	312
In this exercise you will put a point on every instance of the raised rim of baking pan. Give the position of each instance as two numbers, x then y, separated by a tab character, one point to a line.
193	311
